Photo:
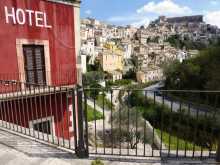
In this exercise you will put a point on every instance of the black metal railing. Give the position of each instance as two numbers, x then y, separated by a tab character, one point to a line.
124	122
152	123
46	113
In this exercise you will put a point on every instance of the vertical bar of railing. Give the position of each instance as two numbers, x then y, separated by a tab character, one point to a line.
4	113
74	117
32	111
112	134
188	130
144	140
128	122
214	120
103	113
120	130
56	117
41	112
23	111
51	113
204	126
178	130
19	108
3	106
154	122
86	124
7	110
45	109
81	149
216	114
11	106
136	130
162	125
36	111
62	114
195	132
94	113
170	126
218	151
15	107
68	117
27	111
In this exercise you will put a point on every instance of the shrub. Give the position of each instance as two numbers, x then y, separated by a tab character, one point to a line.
119	82
202	130
97	162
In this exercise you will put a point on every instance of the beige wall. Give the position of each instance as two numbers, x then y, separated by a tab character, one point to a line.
140	77
148	76
111	62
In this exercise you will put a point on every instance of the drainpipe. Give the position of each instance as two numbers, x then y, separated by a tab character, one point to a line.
218	152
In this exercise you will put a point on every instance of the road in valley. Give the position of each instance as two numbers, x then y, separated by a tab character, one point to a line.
153	92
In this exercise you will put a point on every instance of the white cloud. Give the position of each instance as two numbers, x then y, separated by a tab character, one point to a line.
165	7
88	12
213	2
213	18
144	14
144	22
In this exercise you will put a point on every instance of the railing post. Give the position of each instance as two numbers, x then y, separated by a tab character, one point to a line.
218	152
81	149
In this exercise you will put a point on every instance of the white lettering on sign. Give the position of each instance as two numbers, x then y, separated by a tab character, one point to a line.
20	16
30	17
30	12
39	19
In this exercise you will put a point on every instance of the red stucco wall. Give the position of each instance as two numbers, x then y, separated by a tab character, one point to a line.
22	111
60	37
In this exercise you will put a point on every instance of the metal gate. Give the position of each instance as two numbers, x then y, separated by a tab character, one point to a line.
151	123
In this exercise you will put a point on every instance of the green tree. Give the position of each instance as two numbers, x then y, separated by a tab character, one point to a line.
92	77
132	118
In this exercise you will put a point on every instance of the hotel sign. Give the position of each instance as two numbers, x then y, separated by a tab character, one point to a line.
26	16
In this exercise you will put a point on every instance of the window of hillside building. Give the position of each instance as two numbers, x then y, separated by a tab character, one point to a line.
34	64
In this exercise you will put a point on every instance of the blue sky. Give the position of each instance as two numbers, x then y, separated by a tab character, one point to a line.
139	12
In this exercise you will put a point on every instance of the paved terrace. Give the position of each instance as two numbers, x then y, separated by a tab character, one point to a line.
20	150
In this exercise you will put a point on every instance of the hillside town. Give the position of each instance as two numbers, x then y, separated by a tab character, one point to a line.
143	51
82	91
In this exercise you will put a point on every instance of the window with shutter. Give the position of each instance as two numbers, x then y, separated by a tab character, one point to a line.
34	64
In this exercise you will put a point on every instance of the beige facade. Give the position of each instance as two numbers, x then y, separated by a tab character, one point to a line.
111	61
149	75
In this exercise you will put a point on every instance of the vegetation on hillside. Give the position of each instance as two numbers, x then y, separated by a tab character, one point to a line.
202	131
93	114
177	42
199	73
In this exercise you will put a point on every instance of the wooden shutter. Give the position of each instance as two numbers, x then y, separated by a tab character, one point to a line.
29	64
34	64
40	64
